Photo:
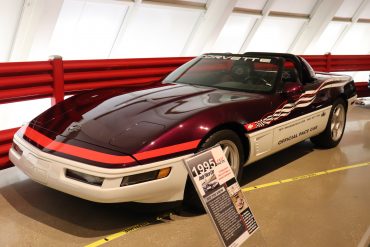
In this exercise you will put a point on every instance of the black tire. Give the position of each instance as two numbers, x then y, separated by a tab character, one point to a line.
334	130
191	198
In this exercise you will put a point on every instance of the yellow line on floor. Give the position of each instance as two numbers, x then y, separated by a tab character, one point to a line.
125	231
158	219
311	175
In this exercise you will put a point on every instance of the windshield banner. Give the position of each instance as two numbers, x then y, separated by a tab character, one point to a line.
221	196
240	58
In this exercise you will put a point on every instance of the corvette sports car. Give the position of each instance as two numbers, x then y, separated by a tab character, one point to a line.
128	144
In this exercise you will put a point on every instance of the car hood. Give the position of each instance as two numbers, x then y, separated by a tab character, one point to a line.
128	119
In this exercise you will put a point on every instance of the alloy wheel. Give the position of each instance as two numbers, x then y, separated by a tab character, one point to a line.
232	155
337	122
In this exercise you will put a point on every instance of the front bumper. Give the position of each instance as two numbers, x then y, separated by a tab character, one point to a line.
51	170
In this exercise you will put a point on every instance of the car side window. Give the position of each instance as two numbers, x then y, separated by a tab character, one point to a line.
308	74
290	72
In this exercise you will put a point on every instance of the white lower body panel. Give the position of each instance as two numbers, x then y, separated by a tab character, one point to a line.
50	170
278	137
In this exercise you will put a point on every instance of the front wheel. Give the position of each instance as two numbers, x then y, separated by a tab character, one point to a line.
233	150
335	127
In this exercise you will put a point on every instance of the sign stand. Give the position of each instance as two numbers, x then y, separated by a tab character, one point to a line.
221	196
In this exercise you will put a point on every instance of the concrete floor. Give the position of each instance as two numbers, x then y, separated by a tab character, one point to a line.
328	210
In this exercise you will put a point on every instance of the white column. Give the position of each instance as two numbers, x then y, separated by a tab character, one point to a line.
209	26
35	28
319	20
265	12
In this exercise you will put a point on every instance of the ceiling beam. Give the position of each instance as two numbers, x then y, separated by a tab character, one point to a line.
264	13
176	3
319	20
208	27
304	26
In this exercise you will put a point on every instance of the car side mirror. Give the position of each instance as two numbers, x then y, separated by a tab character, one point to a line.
292	91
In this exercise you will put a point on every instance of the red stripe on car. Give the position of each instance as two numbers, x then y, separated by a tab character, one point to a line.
167	150
88	154
74	150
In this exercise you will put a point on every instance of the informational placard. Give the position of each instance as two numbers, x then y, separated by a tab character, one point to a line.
221	196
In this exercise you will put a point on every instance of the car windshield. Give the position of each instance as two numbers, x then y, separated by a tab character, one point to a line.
231	72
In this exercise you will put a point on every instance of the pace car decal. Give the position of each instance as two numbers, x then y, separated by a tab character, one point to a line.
304	100
100	157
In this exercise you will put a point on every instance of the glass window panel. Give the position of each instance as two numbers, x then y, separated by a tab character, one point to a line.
348	8
275	34
327	39
356	41
157	31
15	114
87	29
366	11
10	11
234	33
251	4
43	29
293	6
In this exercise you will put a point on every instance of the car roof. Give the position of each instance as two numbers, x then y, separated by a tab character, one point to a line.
288	56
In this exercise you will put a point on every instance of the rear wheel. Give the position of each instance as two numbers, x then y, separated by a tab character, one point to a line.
335	127
233	150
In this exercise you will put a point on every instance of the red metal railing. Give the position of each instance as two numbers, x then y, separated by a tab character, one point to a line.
338	63
55	78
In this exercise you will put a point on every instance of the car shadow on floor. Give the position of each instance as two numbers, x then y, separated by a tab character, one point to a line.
73	215
87	219
275	161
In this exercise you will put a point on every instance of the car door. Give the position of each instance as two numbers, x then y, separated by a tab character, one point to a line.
292	118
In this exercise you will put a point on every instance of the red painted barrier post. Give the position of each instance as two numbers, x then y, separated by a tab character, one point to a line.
58	79
6	137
